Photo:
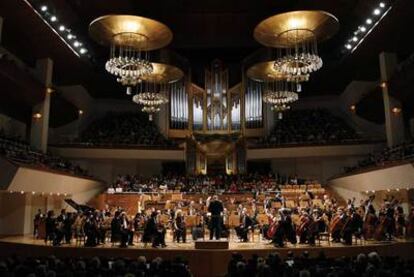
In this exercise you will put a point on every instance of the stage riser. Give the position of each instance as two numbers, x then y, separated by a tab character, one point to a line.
202	262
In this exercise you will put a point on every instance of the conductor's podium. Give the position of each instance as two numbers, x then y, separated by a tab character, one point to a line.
212	244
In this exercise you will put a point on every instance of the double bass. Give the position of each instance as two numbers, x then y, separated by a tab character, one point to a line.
273	228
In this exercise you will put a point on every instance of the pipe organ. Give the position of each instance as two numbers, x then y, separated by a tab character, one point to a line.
179	106
253	104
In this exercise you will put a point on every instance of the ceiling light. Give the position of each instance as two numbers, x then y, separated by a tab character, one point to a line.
363	28
70	36
76	43
43	8
61	28
83	50
354	39
53	18
348	46
377	11
382	5
80	112
37	115
369	21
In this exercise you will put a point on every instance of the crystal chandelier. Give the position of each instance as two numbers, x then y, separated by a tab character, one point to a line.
280	109
300	55
279	92
127	62
130	39
151	102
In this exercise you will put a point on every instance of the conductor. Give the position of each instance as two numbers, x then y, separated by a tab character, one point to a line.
216	210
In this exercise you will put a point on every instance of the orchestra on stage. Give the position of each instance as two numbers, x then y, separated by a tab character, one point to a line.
271	217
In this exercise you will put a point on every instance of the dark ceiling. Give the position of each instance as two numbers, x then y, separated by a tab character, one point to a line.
203	31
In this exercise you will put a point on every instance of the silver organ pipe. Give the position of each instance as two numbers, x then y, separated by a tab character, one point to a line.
179	105
253	104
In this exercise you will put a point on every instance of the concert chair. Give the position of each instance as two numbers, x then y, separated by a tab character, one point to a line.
323	236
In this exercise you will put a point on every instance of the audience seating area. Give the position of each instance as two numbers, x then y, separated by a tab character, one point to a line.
82	267
209	184
20	152
390	155
117	129
309	127
370	264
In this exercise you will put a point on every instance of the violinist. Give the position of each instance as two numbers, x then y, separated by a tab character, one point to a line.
245	225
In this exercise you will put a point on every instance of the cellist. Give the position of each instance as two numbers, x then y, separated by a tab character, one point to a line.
337	225
370	223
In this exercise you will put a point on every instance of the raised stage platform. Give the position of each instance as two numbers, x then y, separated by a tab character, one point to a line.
202	262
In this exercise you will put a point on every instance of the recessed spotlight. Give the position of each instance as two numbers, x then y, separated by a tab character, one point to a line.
354	39
43	8
76	43
369	21
83	50
62	28
377	12
363	29
382	5
70	36
53	18
348	46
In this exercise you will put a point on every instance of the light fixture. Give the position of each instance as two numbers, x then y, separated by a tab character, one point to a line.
130	38
364	30
53	18
152	92
80	112
396	110
83	50
295	36
76	43
43	8
50	90
37	115
352	108
69	36
62	28
383	84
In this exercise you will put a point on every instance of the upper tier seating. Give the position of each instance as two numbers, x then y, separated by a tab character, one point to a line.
309	127
124	129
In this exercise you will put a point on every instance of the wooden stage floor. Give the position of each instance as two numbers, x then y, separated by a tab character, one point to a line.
211	262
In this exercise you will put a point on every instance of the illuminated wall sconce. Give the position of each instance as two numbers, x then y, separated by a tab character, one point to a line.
50	90
396	110
383	84
80	112
37	116
352	108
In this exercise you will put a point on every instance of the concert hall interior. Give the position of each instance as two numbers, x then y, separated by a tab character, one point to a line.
206	138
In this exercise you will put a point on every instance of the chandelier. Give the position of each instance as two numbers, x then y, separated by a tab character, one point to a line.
152	92
295	37
300	57
279	91
130	39
151	102
280	109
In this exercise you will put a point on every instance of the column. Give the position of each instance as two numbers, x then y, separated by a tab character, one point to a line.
394	124
1	28
40	120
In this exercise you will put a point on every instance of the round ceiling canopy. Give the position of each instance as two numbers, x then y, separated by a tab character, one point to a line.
265	71
307	24
129	30
164	73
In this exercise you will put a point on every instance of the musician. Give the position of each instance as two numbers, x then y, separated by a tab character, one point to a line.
154	232
246	224
216	209
400	223
36	223
180	230
127	233
116	227
410	224
303	230
91	230
105	226
370	222
352	225
64	226
337	224
390	220
51	231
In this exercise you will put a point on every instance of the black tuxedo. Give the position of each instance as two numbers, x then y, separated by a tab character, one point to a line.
215	208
